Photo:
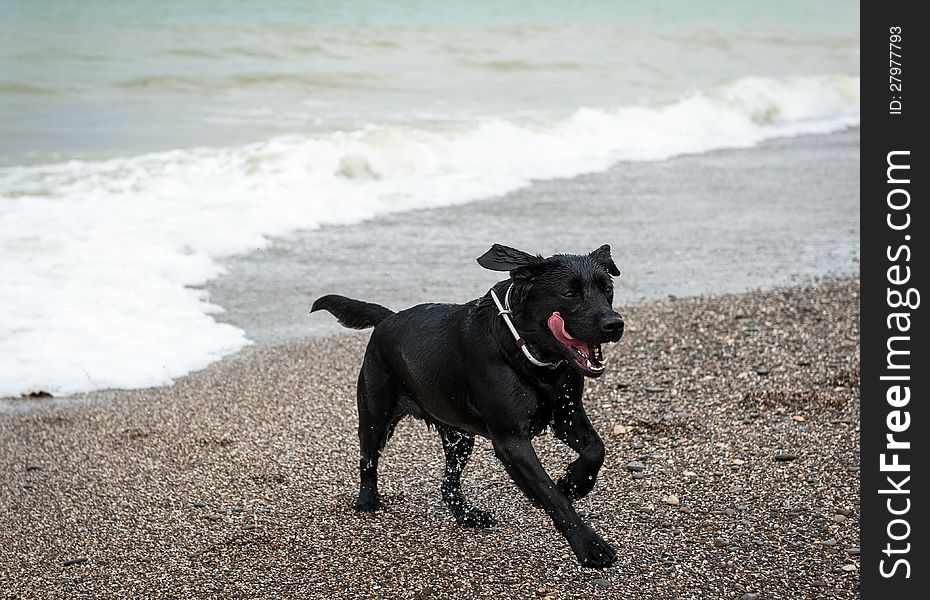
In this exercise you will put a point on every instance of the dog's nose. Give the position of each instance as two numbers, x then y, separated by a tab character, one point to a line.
612	324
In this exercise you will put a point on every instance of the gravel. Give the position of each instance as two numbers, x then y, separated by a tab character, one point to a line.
267	441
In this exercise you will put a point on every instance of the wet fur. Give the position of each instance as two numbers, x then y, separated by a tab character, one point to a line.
457	367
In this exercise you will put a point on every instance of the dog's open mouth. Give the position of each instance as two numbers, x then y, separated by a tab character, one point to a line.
588	357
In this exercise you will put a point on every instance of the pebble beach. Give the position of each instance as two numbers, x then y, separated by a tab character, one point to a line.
732	434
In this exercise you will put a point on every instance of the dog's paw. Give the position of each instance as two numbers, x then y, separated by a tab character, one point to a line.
593	552
478	519
574	490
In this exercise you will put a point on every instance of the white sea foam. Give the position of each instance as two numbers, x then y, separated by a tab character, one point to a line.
98	257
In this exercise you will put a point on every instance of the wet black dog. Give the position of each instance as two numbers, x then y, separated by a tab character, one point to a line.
458	367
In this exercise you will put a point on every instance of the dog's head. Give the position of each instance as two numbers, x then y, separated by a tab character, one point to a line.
562	305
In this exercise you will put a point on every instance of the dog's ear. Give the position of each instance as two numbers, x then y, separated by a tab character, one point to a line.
521	265
602	257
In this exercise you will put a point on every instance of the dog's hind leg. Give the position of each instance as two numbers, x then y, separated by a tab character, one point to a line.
378	414
457	446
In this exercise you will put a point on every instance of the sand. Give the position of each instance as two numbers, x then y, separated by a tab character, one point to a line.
238	480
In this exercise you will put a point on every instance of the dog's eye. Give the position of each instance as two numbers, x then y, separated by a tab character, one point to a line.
570	294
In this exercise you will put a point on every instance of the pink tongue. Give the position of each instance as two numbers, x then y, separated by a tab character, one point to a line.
557	327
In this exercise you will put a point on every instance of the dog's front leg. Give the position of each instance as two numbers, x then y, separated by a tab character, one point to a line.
571	425
522	463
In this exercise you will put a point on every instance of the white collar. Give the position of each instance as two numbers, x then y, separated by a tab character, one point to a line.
505	312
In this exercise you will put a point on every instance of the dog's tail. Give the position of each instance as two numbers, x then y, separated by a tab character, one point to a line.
352	313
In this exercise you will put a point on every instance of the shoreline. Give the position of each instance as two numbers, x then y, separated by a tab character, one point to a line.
21	404
239	478
725	221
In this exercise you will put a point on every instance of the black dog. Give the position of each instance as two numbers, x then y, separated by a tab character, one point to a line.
458	367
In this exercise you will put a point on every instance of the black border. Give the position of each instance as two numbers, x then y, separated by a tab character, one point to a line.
881	133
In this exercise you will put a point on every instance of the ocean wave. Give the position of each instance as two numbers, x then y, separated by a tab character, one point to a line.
26	88
99	257
528	65
304	82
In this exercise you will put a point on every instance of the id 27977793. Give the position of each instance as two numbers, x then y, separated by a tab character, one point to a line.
894	70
